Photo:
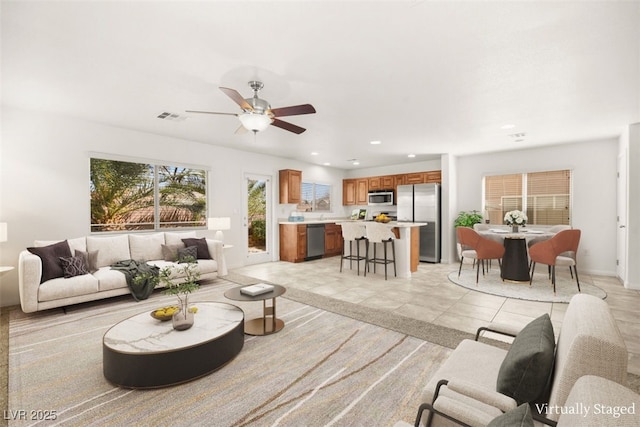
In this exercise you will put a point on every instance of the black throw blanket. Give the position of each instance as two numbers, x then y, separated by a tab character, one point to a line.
141	277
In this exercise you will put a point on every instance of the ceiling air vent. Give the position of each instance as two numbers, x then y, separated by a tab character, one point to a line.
171	116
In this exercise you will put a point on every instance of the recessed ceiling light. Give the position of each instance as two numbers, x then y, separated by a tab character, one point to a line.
327	164
507	126
314	153
376	142
355	163
411	156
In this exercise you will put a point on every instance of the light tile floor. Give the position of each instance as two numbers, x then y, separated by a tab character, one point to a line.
429	296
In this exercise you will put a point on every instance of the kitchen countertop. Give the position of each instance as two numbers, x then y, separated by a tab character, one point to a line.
339	220
314	221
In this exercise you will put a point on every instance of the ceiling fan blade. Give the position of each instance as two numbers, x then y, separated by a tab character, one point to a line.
211	112
295	110
287	126
237	98
241	130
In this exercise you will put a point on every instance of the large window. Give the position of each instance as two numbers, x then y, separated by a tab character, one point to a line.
544	196
315	197
143	196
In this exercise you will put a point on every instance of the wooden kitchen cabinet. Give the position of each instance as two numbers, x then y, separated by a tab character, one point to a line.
290	186
355	190
375	183
348	192
293	242
433	177
386	182
415	178
362	191
332	240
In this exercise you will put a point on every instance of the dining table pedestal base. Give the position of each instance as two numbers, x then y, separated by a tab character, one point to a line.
515	263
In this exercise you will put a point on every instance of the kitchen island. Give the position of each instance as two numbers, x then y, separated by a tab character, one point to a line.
407	245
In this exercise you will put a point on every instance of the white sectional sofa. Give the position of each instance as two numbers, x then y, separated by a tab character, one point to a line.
41	293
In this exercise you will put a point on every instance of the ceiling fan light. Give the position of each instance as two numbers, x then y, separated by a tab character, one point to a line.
255	122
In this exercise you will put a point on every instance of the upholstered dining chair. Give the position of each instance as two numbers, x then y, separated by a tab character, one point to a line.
485	249
378	233
553	230
558	250
353	233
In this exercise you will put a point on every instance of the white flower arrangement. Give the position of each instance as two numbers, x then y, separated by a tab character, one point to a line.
515	218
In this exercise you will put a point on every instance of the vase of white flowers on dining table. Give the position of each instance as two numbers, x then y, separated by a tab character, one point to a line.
515	219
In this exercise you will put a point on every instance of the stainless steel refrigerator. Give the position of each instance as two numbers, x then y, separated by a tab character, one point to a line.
421	203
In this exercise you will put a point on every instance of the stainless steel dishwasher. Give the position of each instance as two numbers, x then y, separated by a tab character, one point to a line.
315	241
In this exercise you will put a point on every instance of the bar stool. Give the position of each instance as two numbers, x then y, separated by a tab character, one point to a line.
353	233
381	233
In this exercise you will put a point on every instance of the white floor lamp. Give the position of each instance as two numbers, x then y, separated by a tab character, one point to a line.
219	224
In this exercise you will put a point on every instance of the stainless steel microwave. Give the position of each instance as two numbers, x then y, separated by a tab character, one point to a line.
380	198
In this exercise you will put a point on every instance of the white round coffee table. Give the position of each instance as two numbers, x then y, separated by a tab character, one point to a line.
142	352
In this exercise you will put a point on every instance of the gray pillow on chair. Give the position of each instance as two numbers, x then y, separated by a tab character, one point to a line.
525	371
520	417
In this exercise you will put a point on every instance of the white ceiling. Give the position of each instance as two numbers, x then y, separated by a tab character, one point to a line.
424	77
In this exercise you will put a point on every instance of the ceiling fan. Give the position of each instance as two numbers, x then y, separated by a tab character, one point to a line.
257	113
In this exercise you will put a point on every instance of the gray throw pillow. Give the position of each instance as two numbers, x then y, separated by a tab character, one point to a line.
188	254
90	260
73	266
201	244
50	256
170	252
525	371
518	417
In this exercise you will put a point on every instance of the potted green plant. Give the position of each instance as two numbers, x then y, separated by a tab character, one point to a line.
467	219
183	318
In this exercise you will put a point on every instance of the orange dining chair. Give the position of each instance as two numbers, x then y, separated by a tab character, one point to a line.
484	249
561	250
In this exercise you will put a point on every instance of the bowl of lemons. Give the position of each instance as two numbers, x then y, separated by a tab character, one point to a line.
382	218
164	313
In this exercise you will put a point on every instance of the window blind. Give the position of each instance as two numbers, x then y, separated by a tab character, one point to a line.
544	196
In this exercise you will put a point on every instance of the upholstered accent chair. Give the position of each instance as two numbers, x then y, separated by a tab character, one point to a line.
480	248
480	382
561	250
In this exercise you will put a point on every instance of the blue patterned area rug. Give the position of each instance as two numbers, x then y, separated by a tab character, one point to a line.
540	290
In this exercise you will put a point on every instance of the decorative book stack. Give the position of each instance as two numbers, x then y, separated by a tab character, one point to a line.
257	289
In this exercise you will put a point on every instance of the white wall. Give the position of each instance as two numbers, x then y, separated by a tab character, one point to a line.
594	166
630	143
44	181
